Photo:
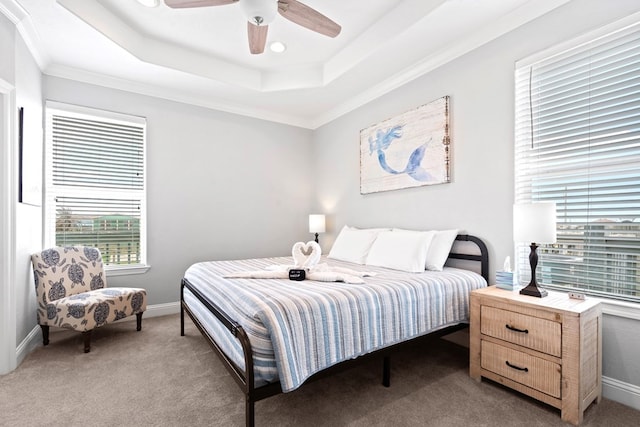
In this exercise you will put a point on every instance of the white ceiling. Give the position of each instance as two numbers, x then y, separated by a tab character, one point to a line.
201	55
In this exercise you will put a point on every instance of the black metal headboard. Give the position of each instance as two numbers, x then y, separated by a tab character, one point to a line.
483	258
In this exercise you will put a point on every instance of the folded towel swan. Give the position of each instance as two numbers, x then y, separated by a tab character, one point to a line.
305	257
300	250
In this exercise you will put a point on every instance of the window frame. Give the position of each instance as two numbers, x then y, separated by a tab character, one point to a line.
522	250
49	230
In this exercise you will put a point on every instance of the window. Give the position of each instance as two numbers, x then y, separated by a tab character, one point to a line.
94	180
578	144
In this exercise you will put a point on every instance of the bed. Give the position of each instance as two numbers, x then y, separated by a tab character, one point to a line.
274	335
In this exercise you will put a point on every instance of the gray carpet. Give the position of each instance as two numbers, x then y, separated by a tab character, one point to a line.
158	378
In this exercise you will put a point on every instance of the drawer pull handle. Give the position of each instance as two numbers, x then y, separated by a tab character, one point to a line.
511	328
516	367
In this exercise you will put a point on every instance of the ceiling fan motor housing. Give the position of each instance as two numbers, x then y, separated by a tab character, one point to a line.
259	12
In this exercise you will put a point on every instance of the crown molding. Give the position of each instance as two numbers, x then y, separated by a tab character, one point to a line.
22	21
164	54
13	11
171	95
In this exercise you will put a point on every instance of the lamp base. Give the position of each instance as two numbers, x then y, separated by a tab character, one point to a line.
533	290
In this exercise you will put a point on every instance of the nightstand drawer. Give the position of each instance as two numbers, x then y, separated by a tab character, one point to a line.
526	369
533	332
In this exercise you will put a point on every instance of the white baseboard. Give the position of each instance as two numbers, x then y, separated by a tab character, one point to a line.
34	338
625	393
158	310
31	341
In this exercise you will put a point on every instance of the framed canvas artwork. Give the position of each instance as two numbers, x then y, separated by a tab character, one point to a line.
409	150
29	163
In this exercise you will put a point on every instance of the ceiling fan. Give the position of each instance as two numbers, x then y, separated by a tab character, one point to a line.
260	13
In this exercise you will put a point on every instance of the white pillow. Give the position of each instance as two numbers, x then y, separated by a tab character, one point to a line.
374	230
404	251
352	245
440	248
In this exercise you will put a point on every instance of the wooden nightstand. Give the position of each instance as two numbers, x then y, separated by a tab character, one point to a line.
548	348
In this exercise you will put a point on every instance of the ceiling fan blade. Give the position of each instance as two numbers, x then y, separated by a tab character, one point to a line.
178	4
257	37
309	18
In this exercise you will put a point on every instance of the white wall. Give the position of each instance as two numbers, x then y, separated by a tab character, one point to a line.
28	217
479	199
20	223
219	185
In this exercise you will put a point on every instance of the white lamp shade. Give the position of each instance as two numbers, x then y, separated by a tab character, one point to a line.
534	222
261	12
316	223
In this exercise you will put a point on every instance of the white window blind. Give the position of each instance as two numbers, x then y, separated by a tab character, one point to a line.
578	144
95	185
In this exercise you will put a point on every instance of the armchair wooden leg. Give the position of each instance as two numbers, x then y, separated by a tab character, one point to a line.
87	341
45	334
138	321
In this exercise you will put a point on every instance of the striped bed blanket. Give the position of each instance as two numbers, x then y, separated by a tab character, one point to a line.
297	329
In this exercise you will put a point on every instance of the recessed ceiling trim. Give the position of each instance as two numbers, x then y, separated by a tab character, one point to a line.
296	78
172	95
155	52
268	80
394	22
505	24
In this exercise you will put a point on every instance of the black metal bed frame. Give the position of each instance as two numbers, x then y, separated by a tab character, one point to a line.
245	380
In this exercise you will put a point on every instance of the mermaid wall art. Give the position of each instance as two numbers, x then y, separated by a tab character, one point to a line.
409	150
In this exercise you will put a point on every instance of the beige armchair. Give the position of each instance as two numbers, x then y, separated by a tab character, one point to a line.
72	292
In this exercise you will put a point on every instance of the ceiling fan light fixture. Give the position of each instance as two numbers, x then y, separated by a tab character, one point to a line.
149	3
259	12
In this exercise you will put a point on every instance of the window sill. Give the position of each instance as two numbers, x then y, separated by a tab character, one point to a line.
610	306
630	310
126	270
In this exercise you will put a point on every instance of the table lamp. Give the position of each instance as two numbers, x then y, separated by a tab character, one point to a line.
316	224
534	223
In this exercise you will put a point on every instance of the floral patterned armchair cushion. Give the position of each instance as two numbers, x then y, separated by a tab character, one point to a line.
72	292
